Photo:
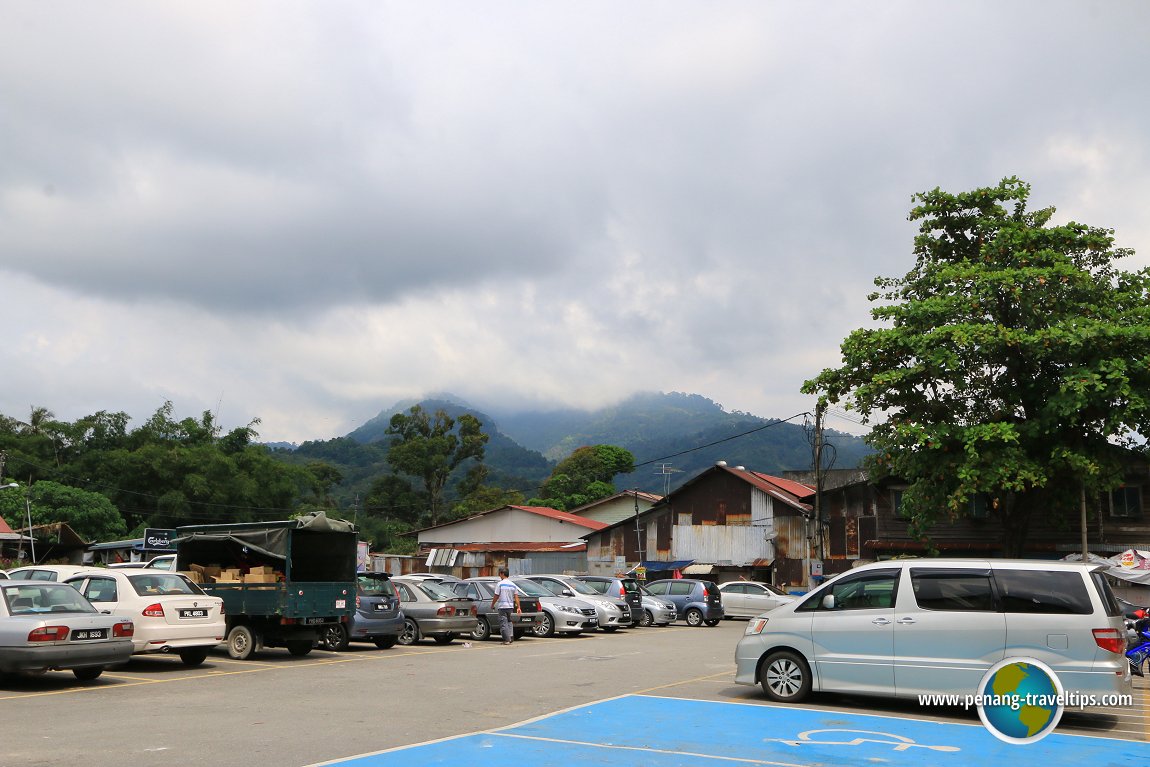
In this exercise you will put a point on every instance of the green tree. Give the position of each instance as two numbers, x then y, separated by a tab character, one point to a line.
432	448
586	475
90	514
1015	357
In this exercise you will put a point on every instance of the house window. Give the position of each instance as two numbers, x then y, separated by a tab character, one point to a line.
979	506
896	503
1126	501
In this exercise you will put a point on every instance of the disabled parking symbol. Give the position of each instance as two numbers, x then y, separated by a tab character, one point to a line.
898	742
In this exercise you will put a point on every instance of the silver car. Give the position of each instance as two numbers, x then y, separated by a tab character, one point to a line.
561	615
46	626
612	613
656	611
935	626
746	599
433	610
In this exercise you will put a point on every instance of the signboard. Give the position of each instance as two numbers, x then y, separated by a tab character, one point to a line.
158	539
641	573
817	568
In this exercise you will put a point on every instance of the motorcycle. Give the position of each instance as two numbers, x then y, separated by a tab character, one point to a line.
1138	653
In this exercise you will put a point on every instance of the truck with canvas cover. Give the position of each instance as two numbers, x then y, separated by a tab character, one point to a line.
282	582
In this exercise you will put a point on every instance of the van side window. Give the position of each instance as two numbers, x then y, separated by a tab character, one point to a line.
952	589
1043	591
1108	601
864	591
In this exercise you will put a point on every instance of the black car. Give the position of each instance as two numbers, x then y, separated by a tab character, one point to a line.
697	602
626	589
482	590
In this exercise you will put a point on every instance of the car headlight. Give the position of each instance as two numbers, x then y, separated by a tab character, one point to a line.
756	626
669	606
568	609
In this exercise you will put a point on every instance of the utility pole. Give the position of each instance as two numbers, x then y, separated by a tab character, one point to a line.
820	410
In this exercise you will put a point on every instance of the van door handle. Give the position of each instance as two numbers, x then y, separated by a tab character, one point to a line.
905	621
881	622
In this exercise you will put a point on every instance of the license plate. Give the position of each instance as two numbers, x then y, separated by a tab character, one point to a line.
90	634
380	607
593	622
199	612
459	611
341	604
312	621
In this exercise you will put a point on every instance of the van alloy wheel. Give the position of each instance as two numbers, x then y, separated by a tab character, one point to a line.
785	677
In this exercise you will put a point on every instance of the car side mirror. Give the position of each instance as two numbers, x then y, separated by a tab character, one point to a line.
829	602
568	593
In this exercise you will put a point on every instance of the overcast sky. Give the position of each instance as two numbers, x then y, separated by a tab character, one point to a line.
304	212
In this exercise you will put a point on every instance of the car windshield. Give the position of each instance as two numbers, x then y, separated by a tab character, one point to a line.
579	587
533	589
375	587
437	591
162	584
31	600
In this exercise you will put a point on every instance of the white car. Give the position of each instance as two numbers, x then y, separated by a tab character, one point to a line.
46	572
746	599
171	613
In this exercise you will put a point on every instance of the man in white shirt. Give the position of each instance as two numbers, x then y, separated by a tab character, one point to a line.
505	600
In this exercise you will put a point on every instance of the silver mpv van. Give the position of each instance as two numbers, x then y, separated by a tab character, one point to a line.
924	626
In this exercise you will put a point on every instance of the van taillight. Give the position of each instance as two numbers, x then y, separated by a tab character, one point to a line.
1110	640
48	634
155	610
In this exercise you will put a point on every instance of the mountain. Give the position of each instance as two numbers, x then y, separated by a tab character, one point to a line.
672	436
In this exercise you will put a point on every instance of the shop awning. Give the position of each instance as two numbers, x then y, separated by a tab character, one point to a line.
660	567
698	569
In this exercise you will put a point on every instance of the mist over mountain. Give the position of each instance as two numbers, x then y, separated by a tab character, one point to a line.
673	436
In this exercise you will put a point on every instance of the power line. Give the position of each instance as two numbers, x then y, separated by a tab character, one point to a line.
721	441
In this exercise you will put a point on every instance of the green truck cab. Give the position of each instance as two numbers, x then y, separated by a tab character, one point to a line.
282	582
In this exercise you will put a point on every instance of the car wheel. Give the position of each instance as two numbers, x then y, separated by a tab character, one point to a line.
785	677
447	638
242	642
647	619
333	637
694	617
299	647
385	643
88	673
481	631
712	622
410	633
194	656
546	626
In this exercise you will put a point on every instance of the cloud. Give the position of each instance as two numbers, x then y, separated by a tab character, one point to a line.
306	212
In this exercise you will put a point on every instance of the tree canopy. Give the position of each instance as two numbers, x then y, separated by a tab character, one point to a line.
1010	363
584	476
431	448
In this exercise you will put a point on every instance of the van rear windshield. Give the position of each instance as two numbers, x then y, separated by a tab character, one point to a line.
1043	591
1113	609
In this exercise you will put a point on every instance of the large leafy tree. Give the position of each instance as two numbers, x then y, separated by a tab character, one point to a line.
431	448
584	476
91	515
1011	362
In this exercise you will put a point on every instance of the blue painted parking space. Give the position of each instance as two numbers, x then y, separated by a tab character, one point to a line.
656	731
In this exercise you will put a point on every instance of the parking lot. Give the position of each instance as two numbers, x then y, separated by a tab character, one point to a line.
641	696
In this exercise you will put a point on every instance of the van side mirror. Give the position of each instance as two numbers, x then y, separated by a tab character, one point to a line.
829	602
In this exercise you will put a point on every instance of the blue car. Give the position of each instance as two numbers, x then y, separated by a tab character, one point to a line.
697	602
377	617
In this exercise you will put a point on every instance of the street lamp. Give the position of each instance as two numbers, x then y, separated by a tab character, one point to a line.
28	509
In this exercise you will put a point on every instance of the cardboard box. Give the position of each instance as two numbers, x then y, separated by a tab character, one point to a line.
193	576
261	578
260	570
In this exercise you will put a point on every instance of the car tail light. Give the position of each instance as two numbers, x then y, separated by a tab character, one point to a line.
155	610
706	593
48	634
125	629
357	603
474	611
221	608
444	610
622	593
1110	640
756	626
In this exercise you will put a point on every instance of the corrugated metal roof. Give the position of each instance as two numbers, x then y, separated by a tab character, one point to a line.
523	546
650	497
562	516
